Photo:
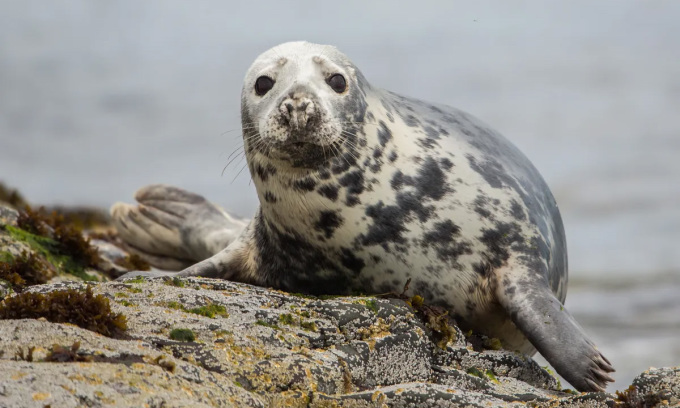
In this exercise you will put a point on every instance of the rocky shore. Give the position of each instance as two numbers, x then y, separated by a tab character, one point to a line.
70	336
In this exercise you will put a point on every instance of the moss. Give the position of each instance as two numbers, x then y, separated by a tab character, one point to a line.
309	326
327	297
476	372
210	310
82	308
305	313
552	374
126	303
492	376
11	197
176	281
133	262
286	319
302	295
372	304
182	335
223	333
417	301
136	279
493	343
175	305
265	324
121	295
135	290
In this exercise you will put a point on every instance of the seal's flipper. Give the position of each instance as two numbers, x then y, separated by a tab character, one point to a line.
555	334
171	227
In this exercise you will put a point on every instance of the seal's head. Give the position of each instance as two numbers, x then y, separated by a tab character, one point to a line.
302	104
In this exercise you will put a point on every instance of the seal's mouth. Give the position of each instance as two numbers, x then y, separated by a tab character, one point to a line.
301	154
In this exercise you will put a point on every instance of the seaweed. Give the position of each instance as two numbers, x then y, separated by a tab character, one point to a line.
437	318
82	308
25	270
133	262
62	354
11	197
69	238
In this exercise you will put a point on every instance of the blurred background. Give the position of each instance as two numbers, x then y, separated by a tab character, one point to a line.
100	98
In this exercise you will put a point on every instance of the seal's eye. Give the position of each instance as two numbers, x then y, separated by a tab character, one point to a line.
263	85
337	82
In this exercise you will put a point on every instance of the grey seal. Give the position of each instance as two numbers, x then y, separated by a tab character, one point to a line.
361	189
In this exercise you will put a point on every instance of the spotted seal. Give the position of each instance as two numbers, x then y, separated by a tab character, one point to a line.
361	189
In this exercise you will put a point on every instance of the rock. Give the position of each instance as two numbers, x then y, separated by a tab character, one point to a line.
261	347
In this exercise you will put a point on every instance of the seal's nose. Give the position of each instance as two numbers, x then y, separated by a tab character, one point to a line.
297	109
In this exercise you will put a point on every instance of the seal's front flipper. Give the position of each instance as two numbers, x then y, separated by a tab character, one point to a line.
555	334
173	228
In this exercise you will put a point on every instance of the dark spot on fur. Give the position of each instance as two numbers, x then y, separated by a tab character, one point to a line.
328	222
446	163
388	224
353	181
384	134
399	180
431	181
329	191
443	239
411	121
339	166
480	206
491	170
351	262
499	240
517	211
431	132
408	202
304	184
351	200
269	197
427	143
377	153
263	172
393	156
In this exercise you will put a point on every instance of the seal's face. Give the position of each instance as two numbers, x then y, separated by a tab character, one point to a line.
301	103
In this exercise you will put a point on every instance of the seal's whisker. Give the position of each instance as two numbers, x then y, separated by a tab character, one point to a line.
239	173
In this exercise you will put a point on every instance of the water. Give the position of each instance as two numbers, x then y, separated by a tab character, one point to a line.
100	98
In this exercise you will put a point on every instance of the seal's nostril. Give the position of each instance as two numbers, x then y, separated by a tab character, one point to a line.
289	106
303	106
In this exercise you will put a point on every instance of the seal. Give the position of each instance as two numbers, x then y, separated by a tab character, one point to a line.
361	189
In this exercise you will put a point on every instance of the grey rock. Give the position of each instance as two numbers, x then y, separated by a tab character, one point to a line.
263	348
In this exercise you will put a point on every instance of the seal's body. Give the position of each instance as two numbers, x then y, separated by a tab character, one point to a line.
361	189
